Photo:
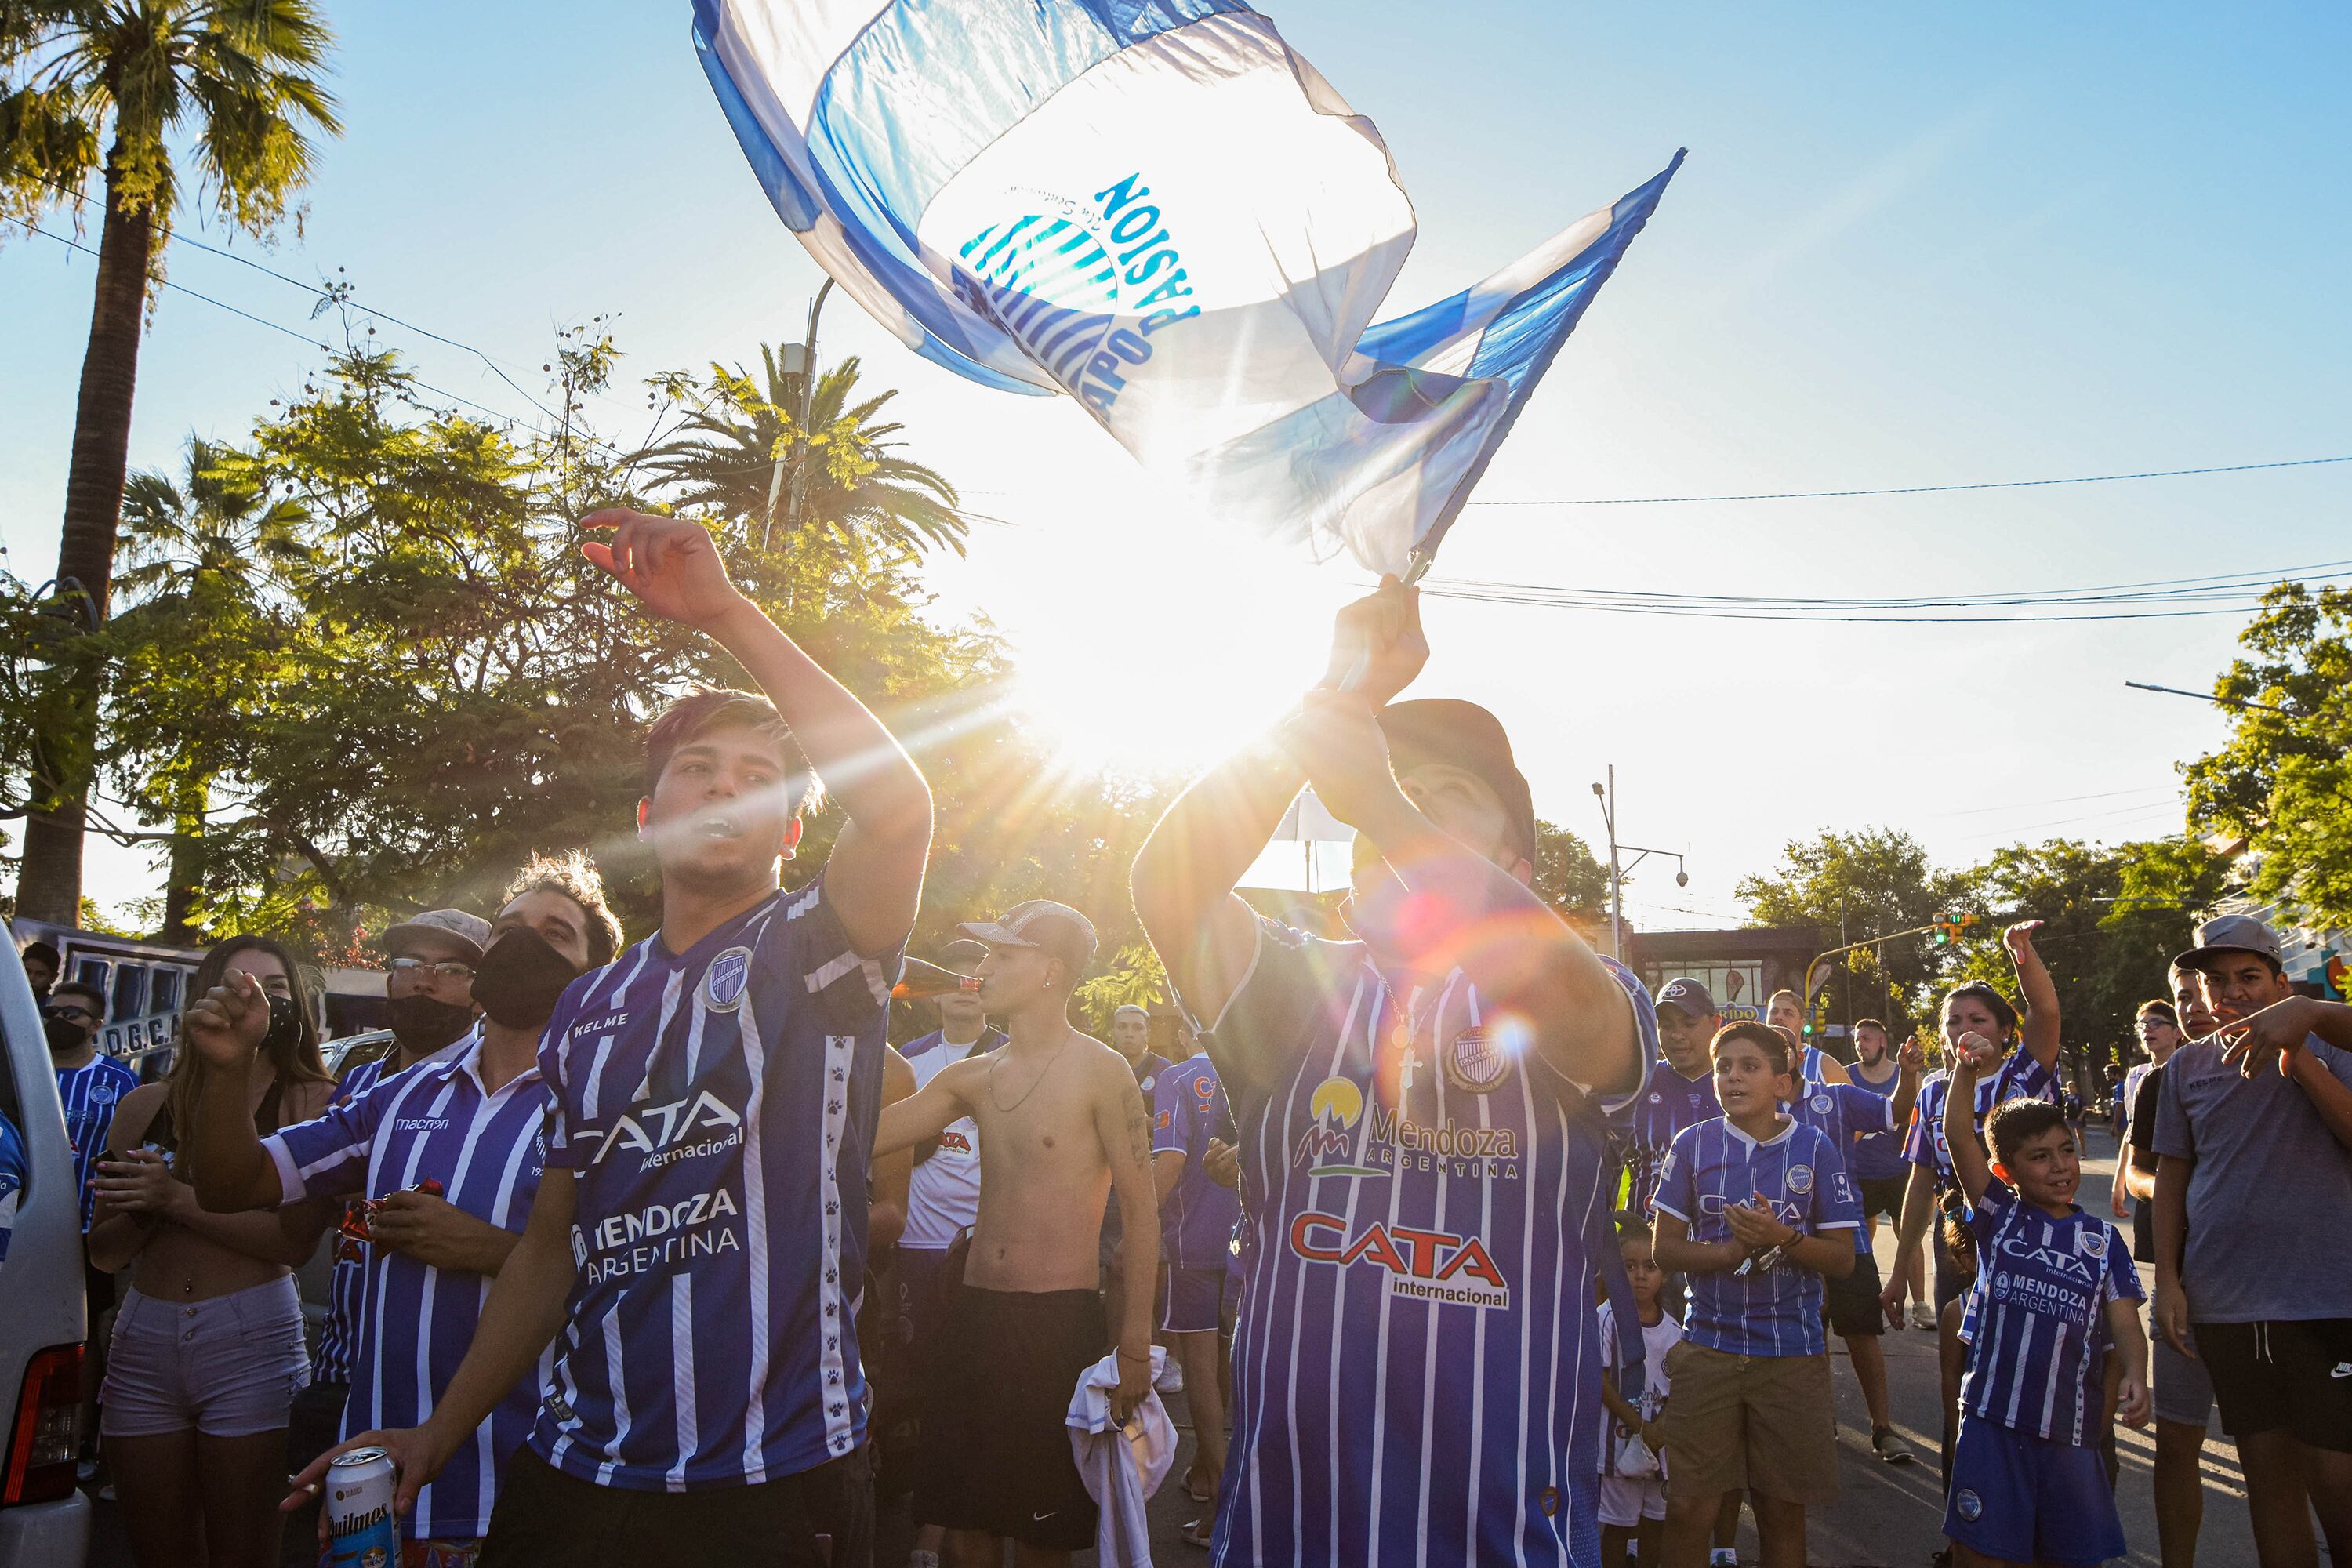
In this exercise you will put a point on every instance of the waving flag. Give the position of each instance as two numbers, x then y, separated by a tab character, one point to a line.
1157	209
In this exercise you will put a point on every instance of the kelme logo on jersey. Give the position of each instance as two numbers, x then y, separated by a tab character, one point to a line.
724	981
686	1129
1477	1062
1427	1265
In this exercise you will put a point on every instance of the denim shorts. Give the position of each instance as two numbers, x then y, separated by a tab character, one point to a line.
227	1366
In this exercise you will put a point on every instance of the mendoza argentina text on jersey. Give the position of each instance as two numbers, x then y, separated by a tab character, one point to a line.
1417	1367
717	1108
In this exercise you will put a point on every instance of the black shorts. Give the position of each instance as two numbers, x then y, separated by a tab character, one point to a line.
1883	1195
996	1452
2291	1376
1854	1306
545	1518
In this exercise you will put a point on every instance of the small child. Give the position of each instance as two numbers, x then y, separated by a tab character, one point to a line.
1755	1207
1633	1506
2055	1288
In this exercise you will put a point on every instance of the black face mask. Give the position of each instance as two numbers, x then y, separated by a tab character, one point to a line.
521	979
284	1025
423	1025
64	1035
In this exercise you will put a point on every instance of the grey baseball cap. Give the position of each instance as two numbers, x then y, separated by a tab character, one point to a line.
2231	933
1687	994
1057	929
471	933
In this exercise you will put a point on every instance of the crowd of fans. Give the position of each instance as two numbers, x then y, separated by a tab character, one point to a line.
1461	1246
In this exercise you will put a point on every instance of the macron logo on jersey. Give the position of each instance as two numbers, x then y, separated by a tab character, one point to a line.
659	1132
1428	1265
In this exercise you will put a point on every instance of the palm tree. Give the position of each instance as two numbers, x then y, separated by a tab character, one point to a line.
724	453
233	86
201	559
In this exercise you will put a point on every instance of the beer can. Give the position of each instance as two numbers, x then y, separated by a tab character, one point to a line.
360	1531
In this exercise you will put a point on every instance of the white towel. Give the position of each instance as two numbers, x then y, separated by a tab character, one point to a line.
1121	1474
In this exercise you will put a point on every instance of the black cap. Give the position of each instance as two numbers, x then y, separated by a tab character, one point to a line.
1463	735
1688	995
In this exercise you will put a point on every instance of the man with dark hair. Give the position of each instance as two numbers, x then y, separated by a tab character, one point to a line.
90	1086
470	1122
701	1232
1786	1010
1681	1093
2182	1391
2253	1202
1061	1126
1423	1139
41	967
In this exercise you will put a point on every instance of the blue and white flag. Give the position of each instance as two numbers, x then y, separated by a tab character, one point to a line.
1157	208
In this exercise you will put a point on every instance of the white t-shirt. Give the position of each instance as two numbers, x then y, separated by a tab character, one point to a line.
1658	1339
943	1197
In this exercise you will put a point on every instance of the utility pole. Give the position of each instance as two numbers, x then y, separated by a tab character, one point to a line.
807	366
1617	875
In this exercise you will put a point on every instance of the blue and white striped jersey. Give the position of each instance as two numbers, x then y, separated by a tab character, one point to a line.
1841	1112
1878	1156
339	1334
12	1166
90	1093
2021	1076
1416	1368
2040	1330
1647	1128
717	1108
1770	1312
1187	1108
434	1121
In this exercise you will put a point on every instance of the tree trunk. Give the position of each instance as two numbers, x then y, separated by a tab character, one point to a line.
49	886
185	883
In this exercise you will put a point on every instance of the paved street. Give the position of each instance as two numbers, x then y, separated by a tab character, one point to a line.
1888	1516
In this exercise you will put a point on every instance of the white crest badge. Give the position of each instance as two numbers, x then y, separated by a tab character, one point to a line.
724	982
2094	1242
1800	1179
1656	1098
1476	1063
1822	1104
103	1091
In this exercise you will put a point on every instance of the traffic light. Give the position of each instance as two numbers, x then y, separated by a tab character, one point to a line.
1945	932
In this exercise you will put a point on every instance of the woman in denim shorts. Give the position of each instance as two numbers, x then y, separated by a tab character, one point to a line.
207	1349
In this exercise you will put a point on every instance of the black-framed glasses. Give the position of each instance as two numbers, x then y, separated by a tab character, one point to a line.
424	969
70	1013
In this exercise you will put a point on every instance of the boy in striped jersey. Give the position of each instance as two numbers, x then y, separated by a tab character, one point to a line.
1757	1209
701	1232
2055	1291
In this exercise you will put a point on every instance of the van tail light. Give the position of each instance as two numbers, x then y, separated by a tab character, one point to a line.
46	1432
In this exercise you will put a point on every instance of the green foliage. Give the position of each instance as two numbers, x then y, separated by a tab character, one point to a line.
2284	782
1881	880
1569	877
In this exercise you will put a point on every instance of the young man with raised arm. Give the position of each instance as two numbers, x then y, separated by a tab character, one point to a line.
1427	1170
699	1233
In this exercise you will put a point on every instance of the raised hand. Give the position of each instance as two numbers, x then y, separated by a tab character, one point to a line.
2019	939
1914	1054
1982	1052
2271	1036
1377	646
670	564
226	1023
1336	738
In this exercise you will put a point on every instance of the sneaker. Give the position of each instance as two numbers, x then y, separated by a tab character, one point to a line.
1171	1377
1923	1316
1723	1557
923	1560
1891	1449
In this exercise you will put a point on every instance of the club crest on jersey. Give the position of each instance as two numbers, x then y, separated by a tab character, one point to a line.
2094	1242
1800	1179
724	982
1967	1505
1477	1062
1822	1104
102	1092
1425	1264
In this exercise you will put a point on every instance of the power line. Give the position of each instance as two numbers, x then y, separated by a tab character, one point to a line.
1927	490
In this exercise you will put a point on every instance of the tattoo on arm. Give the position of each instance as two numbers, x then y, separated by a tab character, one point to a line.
1138	1130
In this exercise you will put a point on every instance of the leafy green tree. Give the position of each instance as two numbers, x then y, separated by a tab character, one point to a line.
739	451
2283	780
1569	877
1880	881
119	89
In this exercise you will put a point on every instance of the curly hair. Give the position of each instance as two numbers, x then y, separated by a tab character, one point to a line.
574	876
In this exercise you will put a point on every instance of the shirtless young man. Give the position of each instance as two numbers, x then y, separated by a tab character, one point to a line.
1061	1127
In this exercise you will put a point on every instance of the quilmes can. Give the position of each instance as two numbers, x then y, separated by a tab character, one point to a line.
360	1531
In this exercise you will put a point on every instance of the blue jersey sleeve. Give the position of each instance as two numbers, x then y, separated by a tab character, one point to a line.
853	992
12	1181
1169	1113
2121	1282
327	1156
1986	1219
1834	1205
1676	1192
1919	1141
1864	1111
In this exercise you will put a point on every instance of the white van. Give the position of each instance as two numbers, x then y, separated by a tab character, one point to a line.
43	1522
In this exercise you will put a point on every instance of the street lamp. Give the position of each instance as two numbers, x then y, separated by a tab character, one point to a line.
1607	796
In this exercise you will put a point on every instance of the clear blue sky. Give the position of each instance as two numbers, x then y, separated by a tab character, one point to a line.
1912	245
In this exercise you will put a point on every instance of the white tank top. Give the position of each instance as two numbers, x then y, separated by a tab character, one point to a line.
944	1195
